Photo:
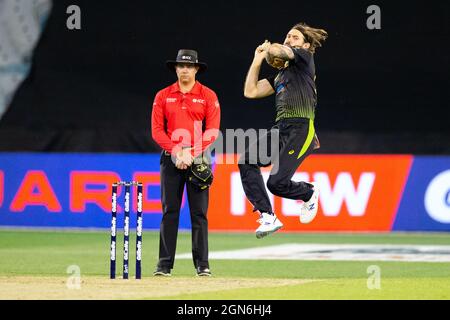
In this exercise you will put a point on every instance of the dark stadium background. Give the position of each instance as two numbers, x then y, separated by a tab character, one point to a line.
383	91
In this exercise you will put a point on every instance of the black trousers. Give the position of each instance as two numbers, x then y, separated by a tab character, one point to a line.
173	181
297	140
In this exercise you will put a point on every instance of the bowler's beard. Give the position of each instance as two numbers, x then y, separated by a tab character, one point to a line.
292	47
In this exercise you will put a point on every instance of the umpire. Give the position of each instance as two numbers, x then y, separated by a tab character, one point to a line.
185	122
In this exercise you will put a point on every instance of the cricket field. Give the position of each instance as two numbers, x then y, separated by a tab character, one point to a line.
55	264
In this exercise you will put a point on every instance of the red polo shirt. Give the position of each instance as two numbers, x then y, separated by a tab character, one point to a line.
185	119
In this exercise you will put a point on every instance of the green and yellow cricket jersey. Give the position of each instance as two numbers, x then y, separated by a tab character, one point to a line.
296	94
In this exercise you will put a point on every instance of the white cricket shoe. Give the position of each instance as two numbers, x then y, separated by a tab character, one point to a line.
269	224
308	211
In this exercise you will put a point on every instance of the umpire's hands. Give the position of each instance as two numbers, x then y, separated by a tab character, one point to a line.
184	159
180	165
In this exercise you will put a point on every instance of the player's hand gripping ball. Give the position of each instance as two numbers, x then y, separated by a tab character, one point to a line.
263	47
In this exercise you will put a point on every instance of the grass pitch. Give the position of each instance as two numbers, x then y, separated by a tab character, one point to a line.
44	265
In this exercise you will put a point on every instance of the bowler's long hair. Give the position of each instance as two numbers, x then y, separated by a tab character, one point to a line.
312	35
